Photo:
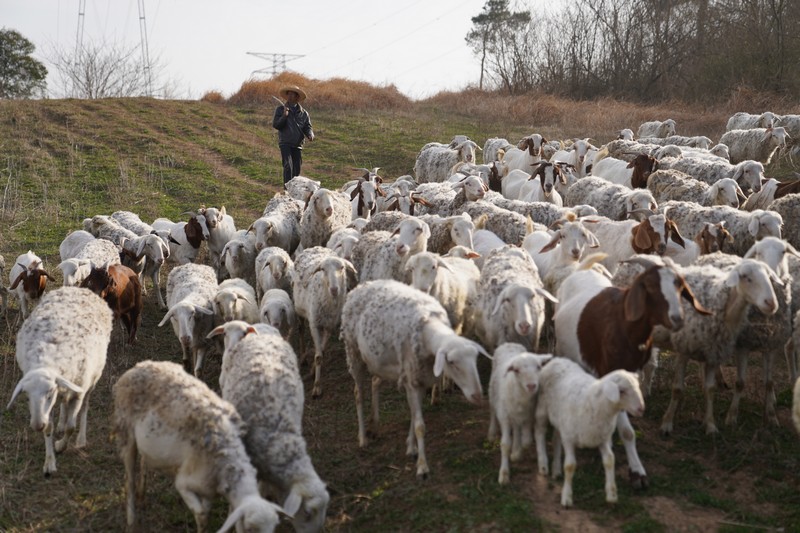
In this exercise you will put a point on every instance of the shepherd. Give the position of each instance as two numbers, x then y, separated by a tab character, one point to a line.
294	127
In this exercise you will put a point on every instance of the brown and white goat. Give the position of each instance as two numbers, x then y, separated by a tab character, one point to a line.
120	287
607	328
28	281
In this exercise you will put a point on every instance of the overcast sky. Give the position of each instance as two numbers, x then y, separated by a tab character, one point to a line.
202	45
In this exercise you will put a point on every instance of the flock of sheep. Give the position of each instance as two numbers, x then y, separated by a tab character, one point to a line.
569	265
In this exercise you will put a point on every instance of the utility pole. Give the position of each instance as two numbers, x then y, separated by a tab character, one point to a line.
148	79
278	61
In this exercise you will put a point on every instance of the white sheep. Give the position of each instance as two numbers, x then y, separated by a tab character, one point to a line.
611	200
788	208
97	252
277	310
746	121
320	284
279	225
235	299
673	184
763	198
158	411
435	160
73	244
453	281
492	148
758	144
221	229
510	226
61	350
136	248
326	212
234	331
343	240
27	282
190	298
263	382
698	141
656	128
401	335
512	394
710	339
383	255
510	299
748	174
273	269
583	411
744	227
239	257
301	188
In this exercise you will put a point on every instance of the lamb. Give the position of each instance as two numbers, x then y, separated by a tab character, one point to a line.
279	225
277	310
606	328
625	134
73	243
512	394
301	188
274	269
758	144
656	128
404	336
469	189
435	160
583	411
28	281
326	212
711	339
186	237
150	410
190	297
492	148
235	299
631	174
239	257
746	121
453	281
614	201
383	255
94	252
221	229
745	227
788	208
263	383
61	350
748	174
675	185
343	241
119	286
320	284
508	309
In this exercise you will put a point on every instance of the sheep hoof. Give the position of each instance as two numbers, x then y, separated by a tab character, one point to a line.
638	481
423	476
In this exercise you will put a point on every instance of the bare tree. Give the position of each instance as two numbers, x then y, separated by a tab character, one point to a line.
102	71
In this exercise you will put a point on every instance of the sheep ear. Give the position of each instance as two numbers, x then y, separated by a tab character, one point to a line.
292	503
733	279
552	244
546	295
752	226
219	330
426	229
444	265
610	390
16	392
635	301
64	383
439	361
166	317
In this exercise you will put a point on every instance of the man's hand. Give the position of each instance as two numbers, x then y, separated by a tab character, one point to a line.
310	137
286	111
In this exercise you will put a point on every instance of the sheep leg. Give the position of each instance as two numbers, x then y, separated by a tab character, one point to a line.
157	288
80	442
320	337
570	464
128	453
505	447
556	470
415	396
49	452
710	383
649	371
638	476
791	359
540	432
492	434
62	418
516	442
200	507
769	388
677	392
607	455
741	376
73	407
357	371
376	385
200	354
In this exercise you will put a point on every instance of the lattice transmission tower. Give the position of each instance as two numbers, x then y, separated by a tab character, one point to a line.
278	61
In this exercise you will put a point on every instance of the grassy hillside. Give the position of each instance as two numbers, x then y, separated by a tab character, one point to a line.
65	160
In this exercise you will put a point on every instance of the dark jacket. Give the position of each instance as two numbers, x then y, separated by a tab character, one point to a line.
294	129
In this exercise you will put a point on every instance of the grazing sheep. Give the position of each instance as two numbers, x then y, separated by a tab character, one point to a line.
675	185
746	121
510	226
326	212
759	144
320	285
656	128
711	339
274	270
512	395
61	350
583	411
190	298
28	281
508	308
435	160
152	422
401	335
235	299
611	200
263	383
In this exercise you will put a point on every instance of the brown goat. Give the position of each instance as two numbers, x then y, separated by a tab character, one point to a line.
34	282
712	238
194	232
643	165
120	287
787	187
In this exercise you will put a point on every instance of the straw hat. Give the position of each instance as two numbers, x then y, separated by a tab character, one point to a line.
293	88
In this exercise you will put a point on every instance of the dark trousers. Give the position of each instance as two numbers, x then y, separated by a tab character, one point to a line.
292	158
